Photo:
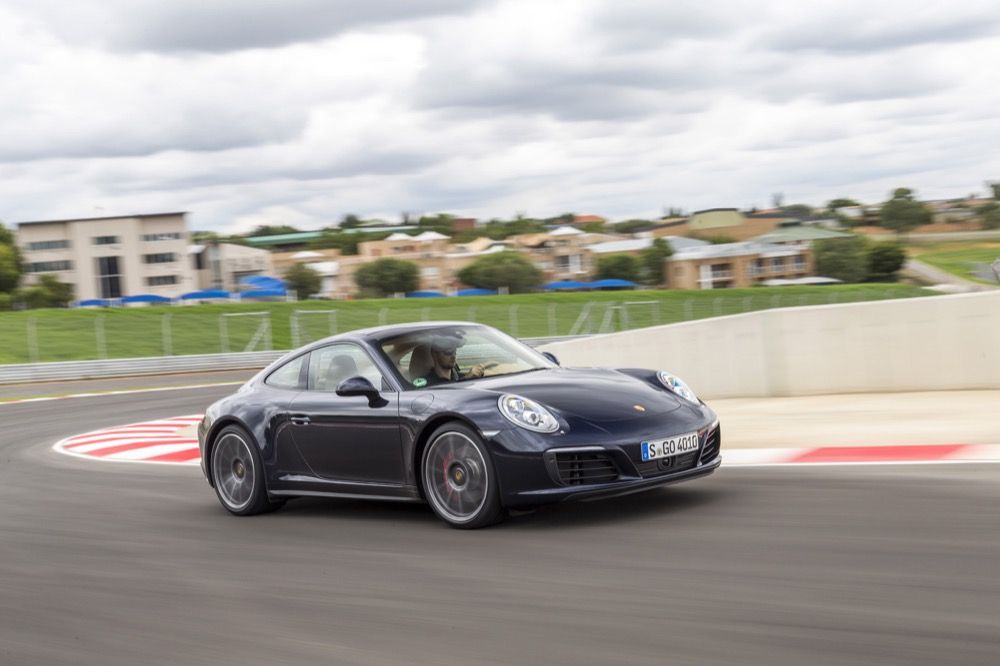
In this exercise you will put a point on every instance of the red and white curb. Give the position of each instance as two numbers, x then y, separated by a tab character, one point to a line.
863	455
174	441
166	441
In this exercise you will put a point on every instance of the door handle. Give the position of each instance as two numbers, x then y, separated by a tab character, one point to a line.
300	419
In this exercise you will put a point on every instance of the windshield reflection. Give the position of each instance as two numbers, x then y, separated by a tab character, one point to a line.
456	353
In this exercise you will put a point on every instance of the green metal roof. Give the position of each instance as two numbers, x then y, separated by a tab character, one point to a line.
799	233
280	239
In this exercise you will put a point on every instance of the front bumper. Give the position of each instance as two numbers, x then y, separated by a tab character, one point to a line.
541	470
617	488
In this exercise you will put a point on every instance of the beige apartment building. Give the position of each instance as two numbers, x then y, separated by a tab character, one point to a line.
223	265
737	265
111	257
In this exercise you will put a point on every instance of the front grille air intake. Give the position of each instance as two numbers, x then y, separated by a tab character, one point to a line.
576	469
713	442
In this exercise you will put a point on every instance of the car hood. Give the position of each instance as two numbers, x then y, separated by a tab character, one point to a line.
593	394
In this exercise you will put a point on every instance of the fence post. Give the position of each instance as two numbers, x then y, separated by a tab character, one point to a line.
293	326
513	320
102	345
552	320
223	334
168	346
32	340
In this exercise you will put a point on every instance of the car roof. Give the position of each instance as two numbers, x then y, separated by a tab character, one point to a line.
379	333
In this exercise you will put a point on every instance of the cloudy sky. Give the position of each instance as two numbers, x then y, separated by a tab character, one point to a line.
246	112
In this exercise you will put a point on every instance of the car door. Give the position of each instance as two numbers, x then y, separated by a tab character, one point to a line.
345	439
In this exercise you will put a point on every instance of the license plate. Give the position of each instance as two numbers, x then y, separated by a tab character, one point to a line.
673	446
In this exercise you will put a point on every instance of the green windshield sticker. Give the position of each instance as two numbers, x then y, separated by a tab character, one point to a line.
420	382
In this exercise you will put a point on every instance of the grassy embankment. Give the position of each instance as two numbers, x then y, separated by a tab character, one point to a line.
958	258
80	334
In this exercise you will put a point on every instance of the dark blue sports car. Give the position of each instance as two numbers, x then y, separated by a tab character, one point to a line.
458	415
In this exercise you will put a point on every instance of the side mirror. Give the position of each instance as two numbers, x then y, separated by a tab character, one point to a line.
551	357
359	386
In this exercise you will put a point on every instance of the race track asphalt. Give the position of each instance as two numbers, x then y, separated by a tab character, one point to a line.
104	563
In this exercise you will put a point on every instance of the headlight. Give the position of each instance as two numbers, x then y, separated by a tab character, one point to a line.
677	385
527	413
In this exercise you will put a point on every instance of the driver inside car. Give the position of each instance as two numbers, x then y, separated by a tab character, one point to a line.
444	368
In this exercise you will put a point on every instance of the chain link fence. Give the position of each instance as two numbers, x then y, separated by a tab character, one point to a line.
151	332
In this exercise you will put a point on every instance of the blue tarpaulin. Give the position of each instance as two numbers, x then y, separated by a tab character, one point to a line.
424	294
95	302
204	295
145	298
613	283
566	284
263	293
263	282
476	292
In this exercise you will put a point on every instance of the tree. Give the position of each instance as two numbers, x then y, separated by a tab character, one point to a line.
843	259
903	212
10	268
989	215
272	230
350	221
384	277
6	236
618	266
441	223
885	261
303	280
797	210
842	202
595	227
653	261
503	269
634	226
48	293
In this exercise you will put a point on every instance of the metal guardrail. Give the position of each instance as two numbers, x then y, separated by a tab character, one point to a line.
124	367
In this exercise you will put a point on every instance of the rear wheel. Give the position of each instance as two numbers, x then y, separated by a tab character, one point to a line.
238	473
459	479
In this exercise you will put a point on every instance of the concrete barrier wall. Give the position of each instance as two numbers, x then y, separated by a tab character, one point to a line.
920	344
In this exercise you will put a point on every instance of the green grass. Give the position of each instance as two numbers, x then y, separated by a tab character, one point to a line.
959	259
135	332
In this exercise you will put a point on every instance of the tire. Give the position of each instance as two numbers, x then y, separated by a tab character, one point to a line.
238	474
459	479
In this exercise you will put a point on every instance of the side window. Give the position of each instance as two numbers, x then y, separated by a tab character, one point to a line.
331	365
287	376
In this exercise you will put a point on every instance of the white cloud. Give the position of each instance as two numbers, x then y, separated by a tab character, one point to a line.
300	112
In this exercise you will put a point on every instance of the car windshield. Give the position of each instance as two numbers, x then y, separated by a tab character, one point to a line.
455	353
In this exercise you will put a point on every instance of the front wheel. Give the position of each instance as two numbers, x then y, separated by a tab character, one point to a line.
238	473
459	479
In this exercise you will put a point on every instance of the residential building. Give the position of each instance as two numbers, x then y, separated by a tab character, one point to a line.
799	235
223	265
737	265
561	253
282	261
111	257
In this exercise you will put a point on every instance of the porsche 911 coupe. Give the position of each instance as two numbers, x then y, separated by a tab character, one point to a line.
459	415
